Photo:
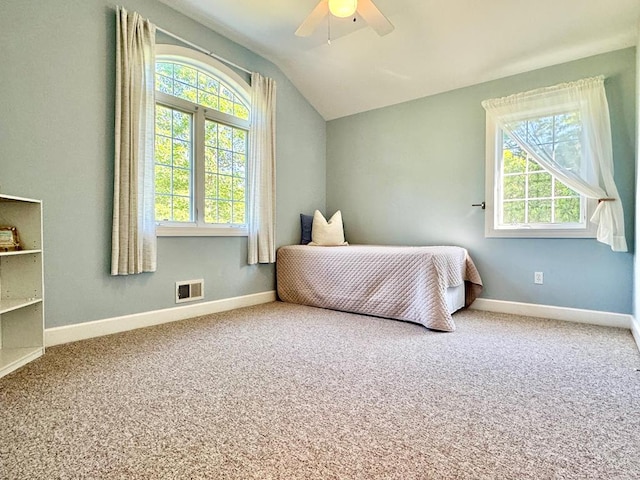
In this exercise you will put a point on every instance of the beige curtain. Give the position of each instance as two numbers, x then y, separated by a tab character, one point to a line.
133	248
262	171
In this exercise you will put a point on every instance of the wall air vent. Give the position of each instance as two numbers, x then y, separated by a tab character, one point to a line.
189	290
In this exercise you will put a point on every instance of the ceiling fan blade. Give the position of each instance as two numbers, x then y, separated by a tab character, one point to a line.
315	17
374	17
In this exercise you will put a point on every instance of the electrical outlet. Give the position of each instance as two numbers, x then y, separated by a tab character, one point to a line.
538	278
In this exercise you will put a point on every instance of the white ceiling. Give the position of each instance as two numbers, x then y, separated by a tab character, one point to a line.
437	45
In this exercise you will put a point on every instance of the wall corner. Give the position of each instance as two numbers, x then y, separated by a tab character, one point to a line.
635	330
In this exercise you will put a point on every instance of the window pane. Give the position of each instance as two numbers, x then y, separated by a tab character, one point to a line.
534	166
225	137
164	84
226	93
211	133
181	154
569	155
181	125
208	100
239	162
208	84
224	187
210	186
513	212
239	213
211	160
163	207
239	140
540	131
226	106
181	209
185	92
165	68
224	212
567	210
186	75
224	162
181	182
163	150
211	211
568	127
163	180
238	189
540	211
241	111
163	121
514	186
509	143
561	190
539	185
514	161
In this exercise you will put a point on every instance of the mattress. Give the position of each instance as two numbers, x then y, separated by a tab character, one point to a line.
417	284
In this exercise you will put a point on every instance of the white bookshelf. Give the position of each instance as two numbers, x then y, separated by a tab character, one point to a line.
21	285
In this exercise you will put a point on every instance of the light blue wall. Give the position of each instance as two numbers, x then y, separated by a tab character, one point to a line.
57	68
408	174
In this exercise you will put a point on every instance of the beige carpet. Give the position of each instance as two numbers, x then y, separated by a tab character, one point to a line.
283	391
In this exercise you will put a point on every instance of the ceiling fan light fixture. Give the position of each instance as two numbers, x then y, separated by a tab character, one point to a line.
343	8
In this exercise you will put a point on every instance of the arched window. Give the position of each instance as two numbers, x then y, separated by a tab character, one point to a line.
201	145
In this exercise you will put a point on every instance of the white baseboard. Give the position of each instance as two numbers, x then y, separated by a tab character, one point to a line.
107	326
593	317
635	330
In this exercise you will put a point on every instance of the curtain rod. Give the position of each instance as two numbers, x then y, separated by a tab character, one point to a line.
203	50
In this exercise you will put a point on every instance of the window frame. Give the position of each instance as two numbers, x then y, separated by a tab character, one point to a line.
493	188
239	86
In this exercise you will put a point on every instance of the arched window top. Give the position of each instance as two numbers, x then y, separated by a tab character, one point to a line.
200	79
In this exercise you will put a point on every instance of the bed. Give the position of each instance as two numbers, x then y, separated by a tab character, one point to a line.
423	285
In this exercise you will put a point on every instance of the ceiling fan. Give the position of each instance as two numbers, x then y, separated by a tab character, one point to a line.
346	8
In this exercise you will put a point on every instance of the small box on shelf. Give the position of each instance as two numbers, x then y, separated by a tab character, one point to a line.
9	239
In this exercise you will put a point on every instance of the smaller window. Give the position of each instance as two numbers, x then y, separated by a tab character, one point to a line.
523	199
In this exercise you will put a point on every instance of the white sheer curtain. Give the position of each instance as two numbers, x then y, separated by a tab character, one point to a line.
587	167
133	247
262	171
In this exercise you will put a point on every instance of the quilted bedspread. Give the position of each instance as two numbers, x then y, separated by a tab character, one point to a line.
402	283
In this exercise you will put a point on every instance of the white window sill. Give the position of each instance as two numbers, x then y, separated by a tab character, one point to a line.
195	231
532	232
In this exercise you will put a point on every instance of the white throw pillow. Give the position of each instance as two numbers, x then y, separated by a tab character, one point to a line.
329	233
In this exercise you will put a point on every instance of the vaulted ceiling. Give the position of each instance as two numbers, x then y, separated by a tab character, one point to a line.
437	45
